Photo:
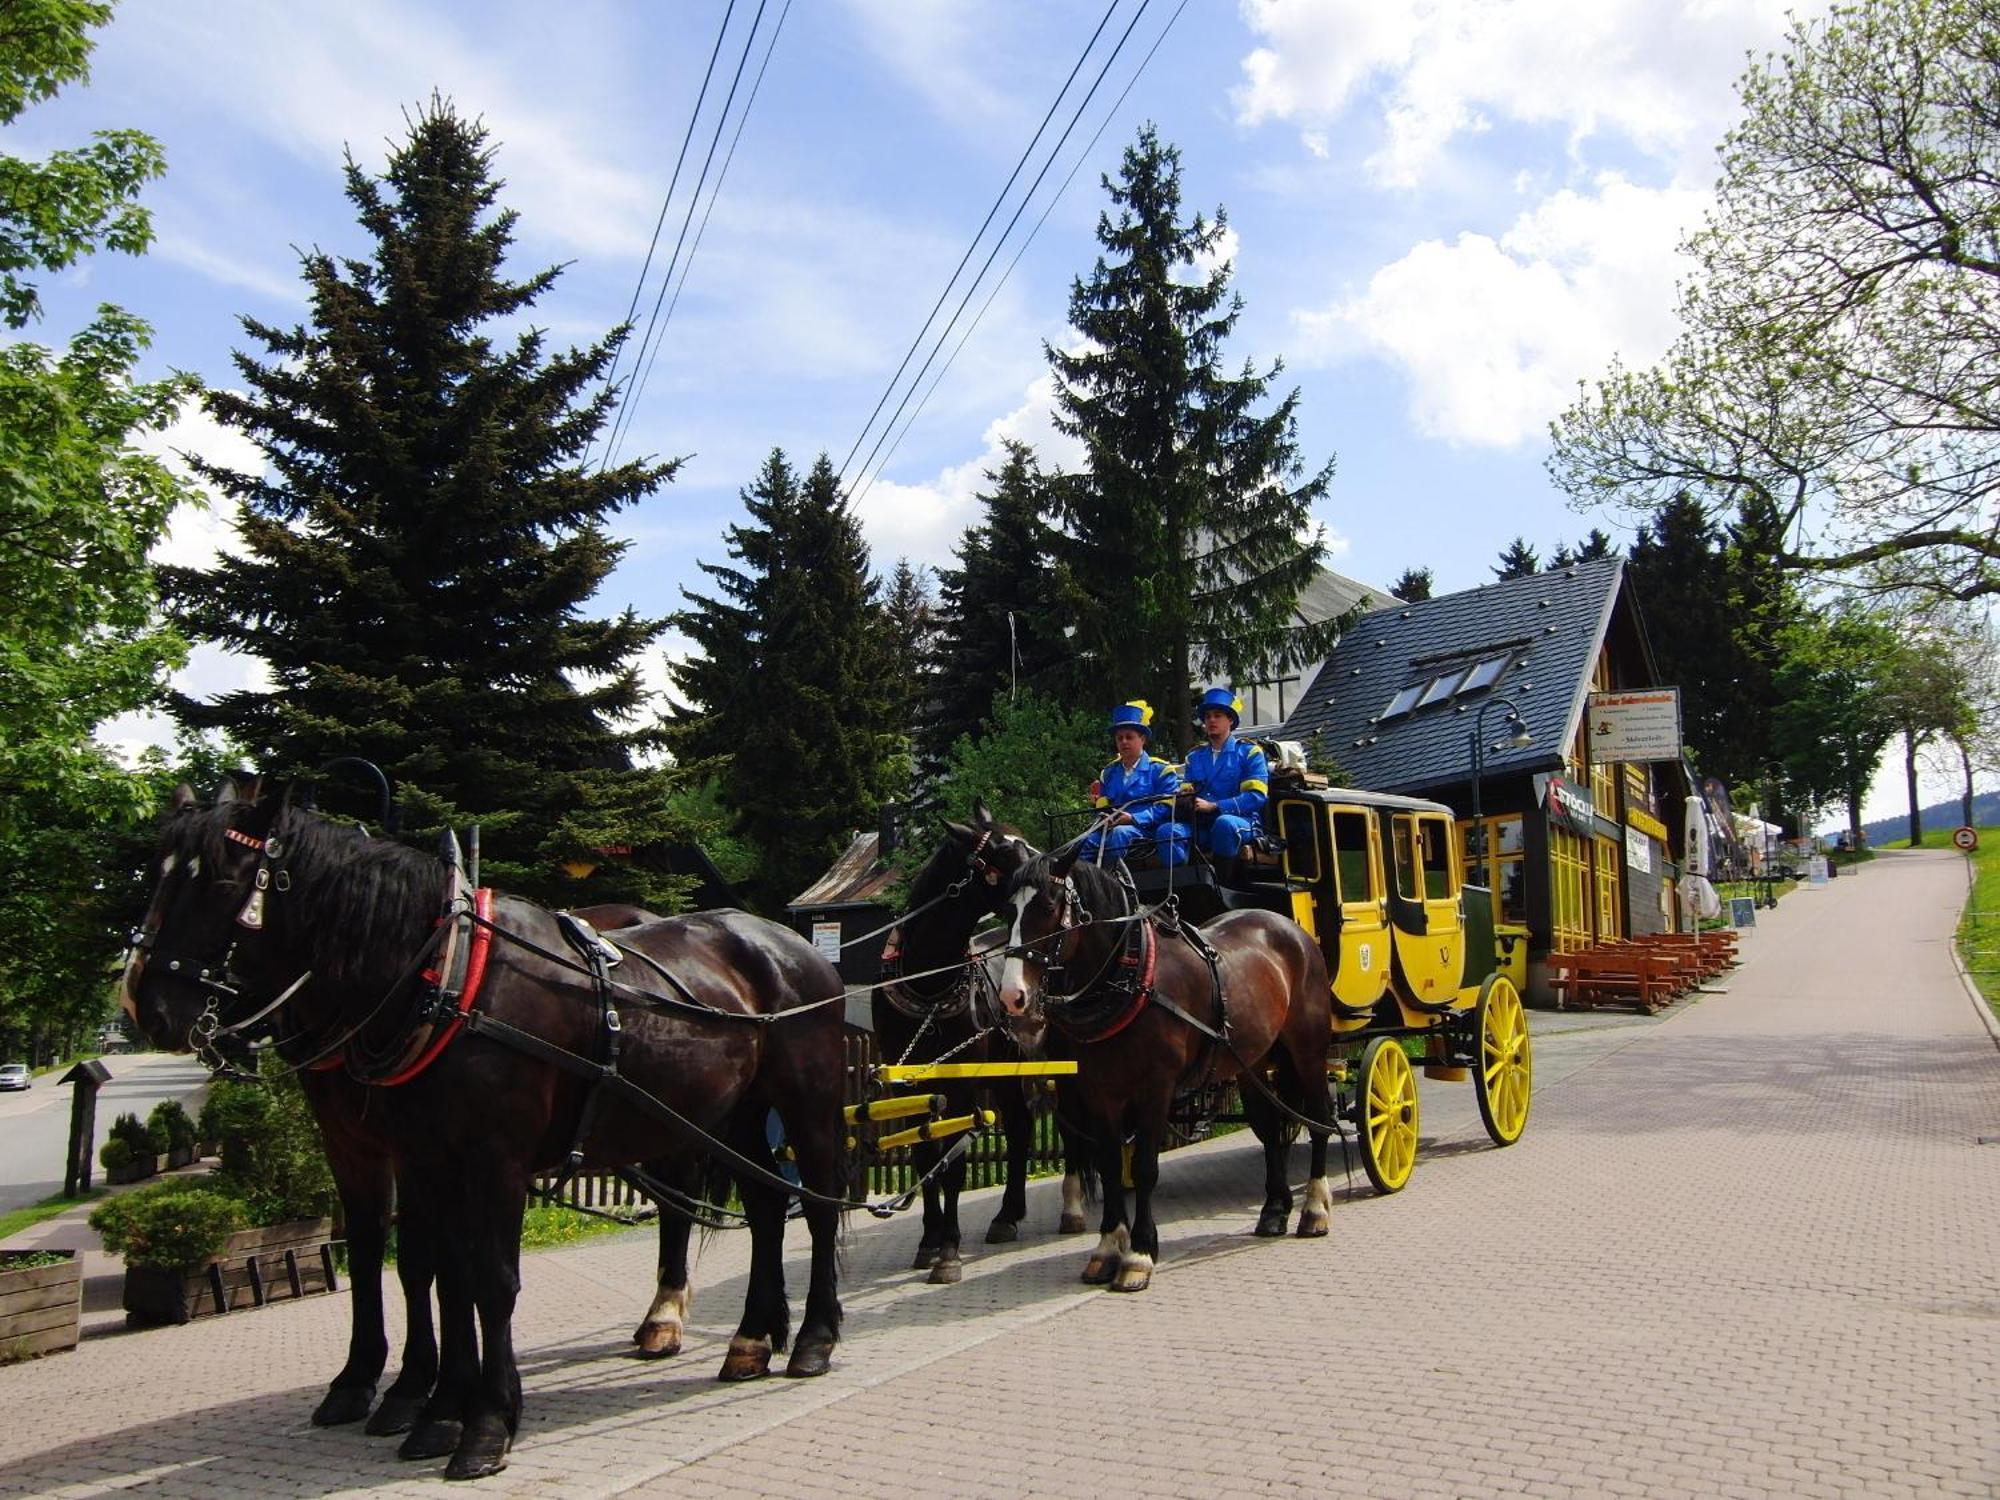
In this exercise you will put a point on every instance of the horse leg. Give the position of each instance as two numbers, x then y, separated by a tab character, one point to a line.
766	1320
1269	1127
818	1143
1114	1239
659	1333
430	1207
923	1156
1135	1274
364	1207
1018	1123
949	1268
416	1268
496	1200
1316	1103
1077	1168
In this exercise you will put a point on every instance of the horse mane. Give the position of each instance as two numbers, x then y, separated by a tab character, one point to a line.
374	902
1100	889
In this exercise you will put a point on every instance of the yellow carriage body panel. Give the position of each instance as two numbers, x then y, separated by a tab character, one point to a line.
1425	915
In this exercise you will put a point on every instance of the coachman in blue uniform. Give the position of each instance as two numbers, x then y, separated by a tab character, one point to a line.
1228	780
1137	793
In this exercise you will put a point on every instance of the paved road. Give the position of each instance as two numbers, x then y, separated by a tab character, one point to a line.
1750	1248
34	1126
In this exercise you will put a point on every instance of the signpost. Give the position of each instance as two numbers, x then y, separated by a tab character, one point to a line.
88	1077
1966	838
1635	726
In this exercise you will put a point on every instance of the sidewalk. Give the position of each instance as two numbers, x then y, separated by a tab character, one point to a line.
1750	1247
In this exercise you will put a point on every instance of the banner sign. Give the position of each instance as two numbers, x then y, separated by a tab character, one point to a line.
1635	726
826	938
1638	851
1566	806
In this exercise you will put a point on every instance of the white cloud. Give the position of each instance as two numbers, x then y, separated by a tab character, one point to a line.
198	534
1493	335
943	51
1659	75
230	270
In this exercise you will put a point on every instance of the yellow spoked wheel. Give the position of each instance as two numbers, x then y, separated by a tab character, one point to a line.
1505	1079
1388	1114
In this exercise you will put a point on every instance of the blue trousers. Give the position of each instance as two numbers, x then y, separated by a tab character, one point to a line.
1169	842
1224	834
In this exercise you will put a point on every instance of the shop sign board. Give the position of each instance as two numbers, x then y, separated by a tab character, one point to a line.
1638	851
1742	911
826	938
1566	806
1635	726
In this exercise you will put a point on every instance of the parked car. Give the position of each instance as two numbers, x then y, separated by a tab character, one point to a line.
13	1075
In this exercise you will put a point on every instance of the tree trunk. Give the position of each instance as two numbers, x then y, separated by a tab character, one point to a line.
1910	775
1965	802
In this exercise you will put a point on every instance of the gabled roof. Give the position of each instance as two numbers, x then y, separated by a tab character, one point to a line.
857	878
1547	630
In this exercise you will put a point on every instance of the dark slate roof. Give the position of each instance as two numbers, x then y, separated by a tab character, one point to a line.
858	878
1549	627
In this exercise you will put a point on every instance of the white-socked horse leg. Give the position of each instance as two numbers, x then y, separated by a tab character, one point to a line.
1318	1212
659	1334
1071	1221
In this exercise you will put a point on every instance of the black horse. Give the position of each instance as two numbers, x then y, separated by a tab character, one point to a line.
1147	1010
946	1009
743	1017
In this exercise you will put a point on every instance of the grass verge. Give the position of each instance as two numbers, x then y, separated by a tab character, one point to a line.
1979	927
16	1220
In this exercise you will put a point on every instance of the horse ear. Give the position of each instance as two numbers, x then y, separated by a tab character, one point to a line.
183	796
982	815
1064	862
961	833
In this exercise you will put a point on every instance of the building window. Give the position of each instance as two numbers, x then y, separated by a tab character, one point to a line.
1569	876
1493	859
1610	914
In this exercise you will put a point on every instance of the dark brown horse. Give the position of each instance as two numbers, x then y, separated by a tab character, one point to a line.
742	1017
1145	1015
945	1009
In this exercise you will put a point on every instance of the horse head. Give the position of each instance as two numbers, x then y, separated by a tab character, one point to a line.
179	971
964	881
1054	900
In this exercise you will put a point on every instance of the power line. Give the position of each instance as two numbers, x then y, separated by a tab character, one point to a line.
639	287
623	421
998	200
1001	242
1083	156
720	177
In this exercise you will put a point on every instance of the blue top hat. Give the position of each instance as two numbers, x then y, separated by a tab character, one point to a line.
1224	699
1135	715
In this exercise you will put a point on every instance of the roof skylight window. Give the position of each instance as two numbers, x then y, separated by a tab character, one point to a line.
1440	688
1403	702
1483	675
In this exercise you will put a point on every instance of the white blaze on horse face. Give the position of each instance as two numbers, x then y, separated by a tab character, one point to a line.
1014	995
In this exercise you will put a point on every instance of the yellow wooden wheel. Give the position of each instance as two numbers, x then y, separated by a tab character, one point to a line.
1388	1114
1505	1078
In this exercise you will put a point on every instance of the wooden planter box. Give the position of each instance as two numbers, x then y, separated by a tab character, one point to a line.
179	1156
254	1268
138	1169
39	1307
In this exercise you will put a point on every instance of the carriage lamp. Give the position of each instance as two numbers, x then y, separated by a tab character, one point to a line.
1521	739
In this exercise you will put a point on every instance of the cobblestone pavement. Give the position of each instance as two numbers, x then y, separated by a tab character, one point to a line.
1748	1248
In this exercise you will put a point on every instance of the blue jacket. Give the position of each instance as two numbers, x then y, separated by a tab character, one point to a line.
1117	788
1237	779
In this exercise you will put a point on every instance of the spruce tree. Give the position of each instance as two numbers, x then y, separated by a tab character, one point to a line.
420	549
1002	615
789	701
1517	560
910	623
1182	534
1414	587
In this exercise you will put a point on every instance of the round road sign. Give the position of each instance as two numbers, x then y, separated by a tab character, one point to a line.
1967	838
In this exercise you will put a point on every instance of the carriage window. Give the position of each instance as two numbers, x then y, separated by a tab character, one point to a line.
1407	868
1350	856
1297	826
1436	834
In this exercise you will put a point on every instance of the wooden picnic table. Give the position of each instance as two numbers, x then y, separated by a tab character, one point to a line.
1617	975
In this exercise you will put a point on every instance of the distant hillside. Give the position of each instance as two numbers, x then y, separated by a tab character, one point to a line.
1985	813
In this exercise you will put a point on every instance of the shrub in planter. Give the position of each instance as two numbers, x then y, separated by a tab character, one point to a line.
170	1225
170	1122
271	1152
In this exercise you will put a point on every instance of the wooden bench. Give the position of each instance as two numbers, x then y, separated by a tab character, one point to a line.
1613	976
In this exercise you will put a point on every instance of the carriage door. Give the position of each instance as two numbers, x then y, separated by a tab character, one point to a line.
1363	970
1429	945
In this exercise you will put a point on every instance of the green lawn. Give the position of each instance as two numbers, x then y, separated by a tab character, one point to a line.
1979	928
26	1218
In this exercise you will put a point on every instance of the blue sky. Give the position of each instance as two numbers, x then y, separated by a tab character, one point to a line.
1443	215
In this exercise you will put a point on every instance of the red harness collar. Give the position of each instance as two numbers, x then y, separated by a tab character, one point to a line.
441	1032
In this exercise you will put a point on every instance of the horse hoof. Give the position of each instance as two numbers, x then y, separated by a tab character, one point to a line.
482	1451
1312	1226
430	1438
397	1413
746	1360
1070	1224
343	1405
947	1272
1133	1279
1271	1224
926	1258
1002	1232
810	1358
658	1340
1099	1270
